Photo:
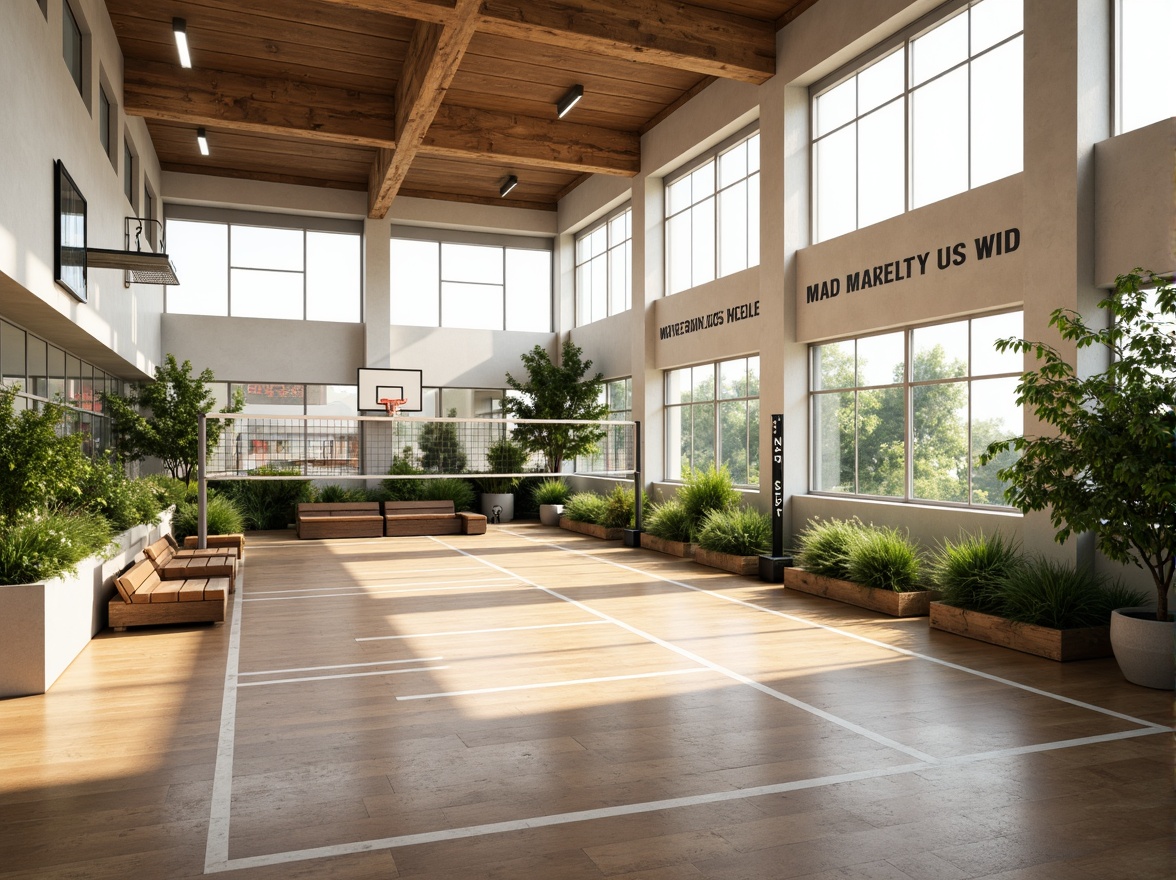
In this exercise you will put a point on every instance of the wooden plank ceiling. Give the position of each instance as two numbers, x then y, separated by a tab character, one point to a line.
430	98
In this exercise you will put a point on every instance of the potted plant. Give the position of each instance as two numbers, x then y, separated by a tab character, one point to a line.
864	565
551	495
504	457
668	528
733	539
1109	467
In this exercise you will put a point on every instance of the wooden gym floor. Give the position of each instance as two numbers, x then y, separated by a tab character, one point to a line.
531	703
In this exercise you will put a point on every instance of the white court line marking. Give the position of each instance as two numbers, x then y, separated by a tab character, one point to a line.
245	684
555	684
216	851
341	666
710	664
1155	728
382	592
352	586
468	831
474	632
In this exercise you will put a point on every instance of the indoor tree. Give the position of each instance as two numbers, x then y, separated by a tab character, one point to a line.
557	391
1110	466
175	400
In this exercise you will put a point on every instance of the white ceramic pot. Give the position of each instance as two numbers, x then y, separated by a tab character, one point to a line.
549	514
498	507
1144	647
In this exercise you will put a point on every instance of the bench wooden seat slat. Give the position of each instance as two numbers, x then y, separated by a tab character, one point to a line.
166	591
339	519
146	595
219	542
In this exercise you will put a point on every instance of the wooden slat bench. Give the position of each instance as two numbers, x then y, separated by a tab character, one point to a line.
343	519
406	518
219	542
177	564
144	598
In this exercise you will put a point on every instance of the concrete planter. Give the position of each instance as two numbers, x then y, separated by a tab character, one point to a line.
592	529
549	514
1063	645
910	604
1144	649
44	626
504	501
683	549
726	561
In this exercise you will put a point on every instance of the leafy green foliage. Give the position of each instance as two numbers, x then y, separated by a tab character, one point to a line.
557	392
171	490
336	494
1048	593
459	491
106	489
175	399
669	521
704	491
586	507
743	531
39	546
552	491
620	508
441	451
883	558
823	546
1109	465
968	572
401	490
224	518
267	504
38	468
504	456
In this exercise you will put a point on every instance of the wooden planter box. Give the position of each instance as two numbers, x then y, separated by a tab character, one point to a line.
673	548
592	529
1063	645
912	604
727	561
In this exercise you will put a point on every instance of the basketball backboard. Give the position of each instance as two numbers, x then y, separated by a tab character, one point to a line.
381	384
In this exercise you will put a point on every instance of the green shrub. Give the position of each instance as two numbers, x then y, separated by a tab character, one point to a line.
503	457
401	490
669	521
106	489
441	450
336	494
586	507
620	510
223	517
36	547
1048	593
171	490
267	504
705	491
968	573
40	468
823	546
552	491
883	558
741	532
459	491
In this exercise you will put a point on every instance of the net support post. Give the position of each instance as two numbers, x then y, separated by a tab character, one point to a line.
771	568
632	537
202	482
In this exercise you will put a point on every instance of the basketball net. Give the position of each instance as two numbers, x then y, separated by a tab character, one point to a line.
391	404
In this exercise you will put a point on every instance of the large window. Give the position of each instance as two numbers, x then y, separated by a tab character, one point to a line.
611	453
604	267
1143	90
476	283
934	113
71	46
905	415
712	418
104	137
251	270
712	217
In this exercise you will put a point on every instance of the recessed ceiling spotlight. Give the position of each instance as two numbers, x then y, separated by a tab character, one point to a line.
180	28
202	141
570	100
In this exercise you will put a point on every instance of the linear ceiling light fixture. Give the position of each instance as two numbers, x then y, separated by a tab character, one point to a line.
570	100
180	28
202	141
507	185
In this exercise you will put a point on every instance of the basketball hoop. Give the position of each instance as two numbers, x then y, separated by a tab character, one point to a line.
391	404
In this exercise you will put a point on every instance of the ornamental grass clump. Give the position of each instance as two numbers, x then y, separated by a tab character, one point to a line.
336	494
454	489
223	517
552	491
968	573
1052	594
620	509
705	491
883	558
586	507
669	521
37	547
743	531
823	546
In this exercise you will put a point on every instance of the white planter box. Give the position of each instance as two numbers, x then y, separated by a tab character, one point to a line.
44	626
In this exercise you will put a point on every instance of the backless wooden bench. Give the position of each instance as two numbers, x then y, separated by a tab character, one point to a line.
144	598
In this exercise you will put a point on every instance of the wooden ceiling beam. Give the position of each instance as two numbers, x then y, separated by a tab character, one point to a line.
468	133
434	54
260	104
661	32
